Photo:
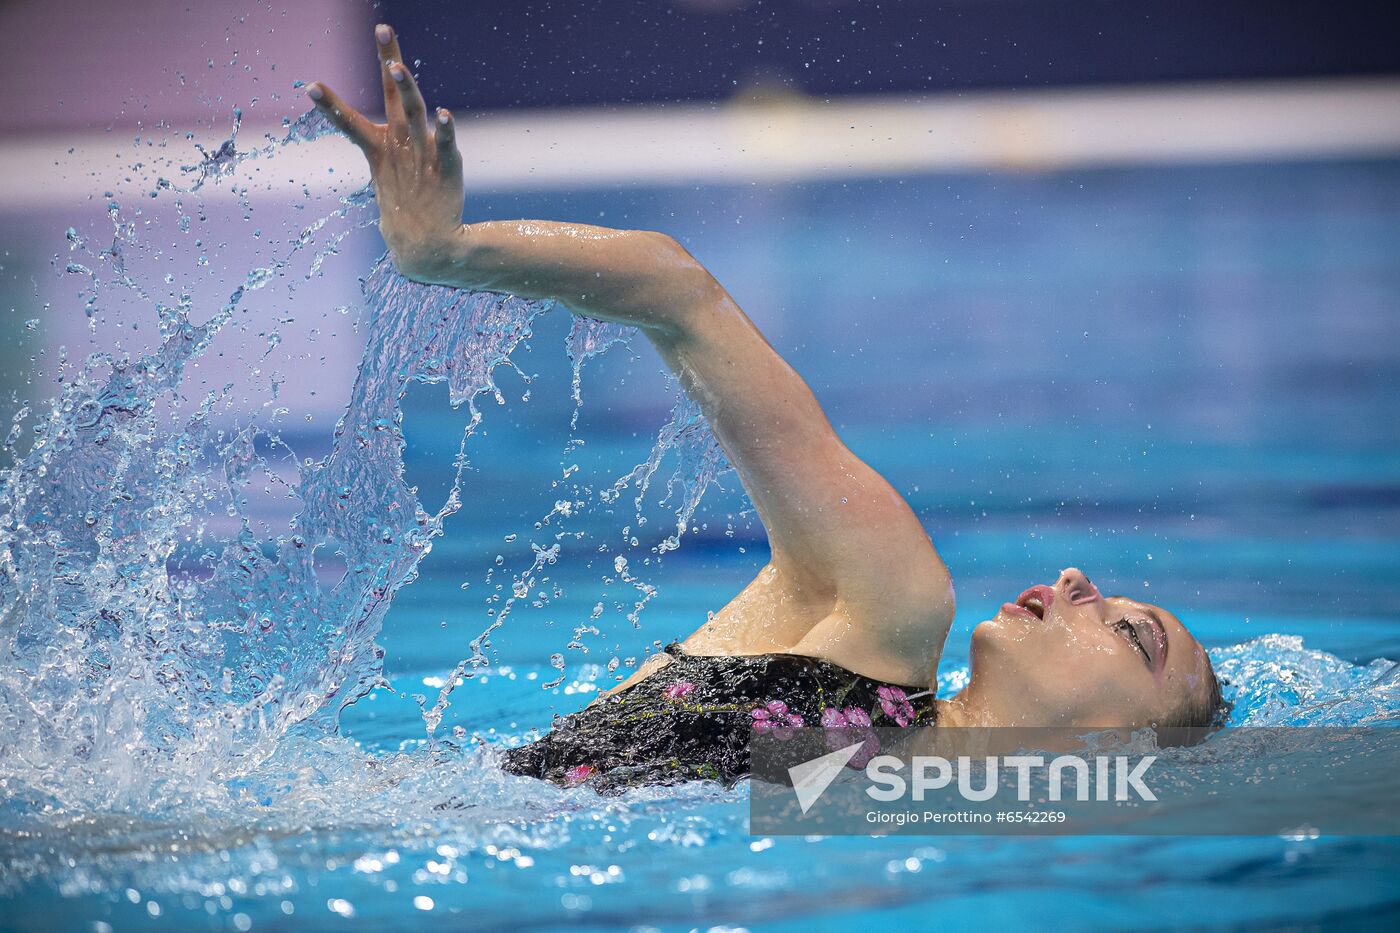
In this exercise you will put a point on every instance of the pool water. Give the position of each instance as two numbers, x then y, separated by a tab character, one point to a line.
1181	380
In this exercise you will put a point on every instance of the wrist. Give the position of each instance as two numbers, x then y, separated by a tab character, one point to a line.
439	260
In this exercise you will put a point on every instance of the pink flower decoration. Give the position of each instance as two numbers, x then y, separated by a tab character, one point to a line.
896	705
776	719
845	726
678	690
578	774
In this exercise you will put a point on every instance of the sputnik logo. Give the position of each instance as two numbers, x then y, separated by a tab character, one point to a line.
811	778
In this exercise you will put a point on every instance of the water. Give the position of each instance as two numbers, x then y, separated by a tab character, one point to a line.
1108	369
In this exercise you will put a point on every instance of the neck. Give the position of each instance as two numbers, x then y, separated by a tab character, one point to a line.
965	710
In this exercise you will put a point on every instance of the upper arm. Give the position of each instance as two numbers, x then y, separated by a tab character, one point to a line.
832	521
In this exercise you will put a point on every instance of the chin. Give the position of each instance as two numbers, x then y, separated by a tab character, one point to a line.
1001	628
985	638
984	631
1006	650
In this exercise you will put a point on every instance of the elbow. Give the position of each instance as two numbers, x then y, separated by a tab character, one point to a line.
665	254
684	288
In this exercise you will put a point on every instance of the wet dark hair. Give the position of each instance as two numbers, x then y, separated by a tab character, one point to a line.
1198	716
1209	711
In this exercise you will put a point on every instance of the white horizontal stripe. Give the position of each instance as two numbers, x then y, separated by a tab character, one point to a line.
791	139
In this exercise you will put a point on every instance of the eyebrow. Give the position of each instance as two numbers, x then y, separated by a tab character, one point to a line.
1146	610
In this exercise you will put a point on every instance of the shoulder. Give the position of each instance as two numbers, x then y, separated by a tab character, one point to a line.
650	666
896	636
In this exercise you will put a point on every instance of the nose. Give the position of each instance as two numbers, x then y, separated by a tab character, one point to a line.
1075	586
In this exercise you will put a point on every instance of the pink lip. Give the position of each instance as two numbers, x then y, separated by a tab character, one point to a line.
1045	594
1019	611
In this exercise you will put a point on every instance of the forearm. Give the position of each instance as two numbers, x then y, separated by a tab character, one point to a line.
632	277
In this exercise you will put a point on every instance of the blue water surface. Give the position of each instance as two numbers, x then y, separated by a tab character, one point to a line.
1182	380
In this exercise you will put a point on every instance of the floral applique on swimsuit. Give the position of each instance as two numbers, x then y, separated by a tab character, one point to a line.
692	720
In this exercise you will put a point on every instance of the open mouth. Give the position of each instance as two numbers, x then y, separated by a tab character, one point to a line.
1037	601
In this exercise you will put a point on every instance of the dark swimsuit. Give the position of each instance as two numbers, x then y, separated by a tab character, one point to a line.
691	720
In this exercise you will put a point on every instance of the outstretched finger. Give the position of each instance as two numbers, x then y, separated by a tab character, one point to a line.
346	118
414	110
449	159
388	44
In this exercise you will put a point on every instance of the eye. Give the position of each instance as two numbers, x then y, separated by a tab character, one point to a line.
1129	632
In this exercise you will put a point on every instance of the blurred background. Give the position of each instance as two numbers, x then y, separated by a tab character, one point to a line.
1094	283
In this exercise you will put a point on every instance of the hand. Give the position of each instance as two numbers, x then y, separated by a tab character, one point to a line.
416	169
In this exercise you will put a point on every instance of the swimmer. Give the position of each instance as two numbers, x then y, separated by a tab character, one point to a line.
846	623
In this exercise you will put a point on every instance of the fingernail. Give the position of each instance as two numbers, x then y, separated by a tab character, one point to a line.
314	92
443	117
383	34
399	72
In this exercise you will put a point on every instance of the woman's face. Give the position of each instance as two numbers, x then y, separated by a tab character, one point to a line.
1065	655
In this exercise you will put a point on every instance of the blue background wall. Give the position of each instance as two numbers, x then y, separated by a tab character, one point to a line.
544	53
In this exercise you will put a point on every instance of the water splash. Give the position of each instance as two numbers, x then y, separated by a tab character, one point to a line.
156	645
143	657
1277	681
223	160
699	459
699	462
589	338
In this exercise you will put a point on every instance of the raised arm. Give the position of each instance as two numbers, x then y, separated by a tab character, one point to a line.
846	547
